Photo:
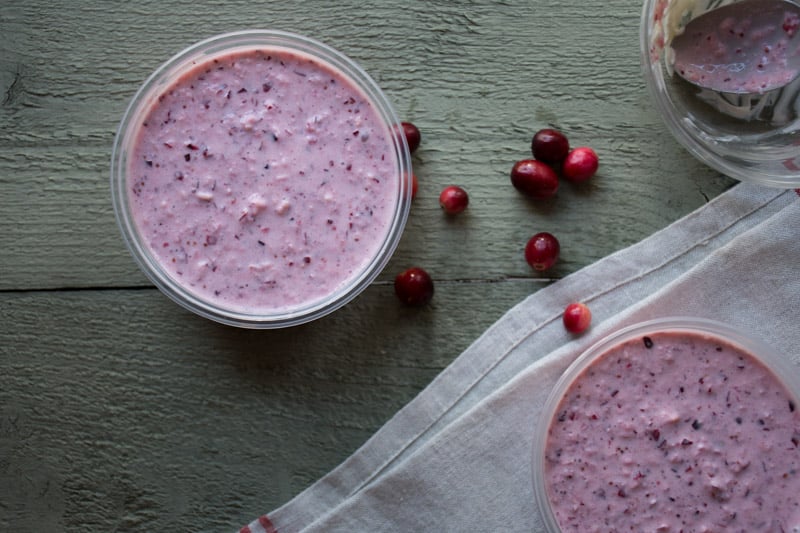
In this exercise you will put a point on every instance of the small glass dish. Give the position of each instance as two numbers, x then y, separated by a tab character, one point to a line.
749	137
624	422
271	201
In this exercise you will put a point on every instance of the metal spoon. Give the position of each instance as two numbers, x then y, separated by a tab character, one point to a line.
744	58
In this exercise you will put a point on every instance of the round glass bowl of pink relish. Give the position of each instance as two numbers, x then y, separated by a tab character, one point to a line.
260	180
676	424
747	124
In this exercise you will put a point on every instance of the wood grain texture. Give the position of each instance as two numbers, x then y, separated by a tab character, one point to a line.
119	411
478	78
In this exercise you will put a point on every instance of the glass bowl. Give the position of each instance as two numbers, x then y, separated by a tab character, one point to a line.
749	137
259	179
641	420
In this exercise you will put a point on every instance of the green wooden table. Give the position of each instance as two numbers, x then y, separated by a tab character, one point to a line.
120	411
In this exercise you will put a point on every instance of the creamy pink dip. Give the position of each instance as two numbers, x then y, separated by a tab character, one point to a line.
675	432
263	180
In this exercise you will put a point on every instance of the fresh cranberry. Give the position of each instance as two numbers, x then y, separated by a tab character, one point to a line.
414	286
534	178
413	136
580	164
550	146
414	185
577	318
542	250
453	200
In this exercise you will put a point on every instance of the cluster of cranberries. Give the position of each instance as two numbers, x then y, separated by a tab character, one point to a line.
453	199
414	286
537	178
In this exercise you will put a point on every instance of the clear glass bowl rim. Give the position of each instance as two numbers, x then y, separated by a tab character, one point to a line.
186	59
786	373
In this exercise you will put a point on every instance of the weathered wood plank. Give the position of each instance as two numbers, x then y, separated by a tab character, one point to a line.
118	409
479	79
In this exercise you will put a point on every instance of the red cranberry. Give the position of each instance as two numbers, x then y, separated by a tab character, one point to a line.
542	250
577	318
414	286
550	146
580	164
453	200
534	178
413	136
414	185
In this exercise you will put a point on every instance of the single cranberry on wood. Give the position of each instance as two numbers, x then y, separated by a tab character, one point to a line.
413	135
453	200
550	146
534	178
580	164
414	286
542	250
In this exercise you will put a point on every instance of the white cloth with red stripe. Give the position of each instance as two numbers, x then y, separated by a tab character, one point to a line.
458	457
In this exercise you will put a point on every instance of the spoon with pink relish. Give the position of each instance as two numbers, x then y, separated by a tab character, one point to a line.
743	57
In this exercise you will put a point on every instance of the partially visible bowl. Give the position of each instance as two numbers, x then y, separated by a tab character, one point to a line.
722	130
672	424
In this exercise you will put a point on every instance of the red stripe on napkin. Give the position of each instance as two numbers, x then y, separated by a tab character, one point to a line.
265	524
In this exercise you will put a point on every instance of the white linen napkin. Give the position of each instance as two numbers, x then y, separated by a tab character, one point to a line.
458	456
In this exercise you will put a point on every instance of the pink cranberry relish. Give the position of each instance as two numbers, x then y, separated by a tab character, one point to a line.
675	432
263	180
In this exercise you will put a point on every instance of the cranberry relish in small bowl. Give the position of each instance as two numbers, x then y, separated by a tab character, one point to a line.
725	77
677	424
260	180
